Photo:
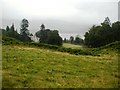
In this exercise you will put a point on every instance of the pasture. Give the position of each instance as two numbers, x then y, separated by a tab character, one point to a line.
33	67
73	46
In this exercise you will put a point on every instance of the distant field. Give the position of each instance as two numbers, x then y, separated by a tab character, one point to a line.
68	45
43	68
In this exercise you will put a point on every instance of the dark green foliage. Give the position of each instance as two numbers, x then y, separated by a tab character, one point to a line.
116	31
24	27
43	35
65	40
54	38
74	40
42	27
48	36
3	31
24	32
78	40
114	46
7	28
106	21
71	39
74	51
9	40
101	35
10	32
24	38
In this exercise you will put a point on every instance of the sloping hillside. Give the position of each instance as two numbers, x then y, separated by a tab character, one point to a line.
113	46
108	49
33	67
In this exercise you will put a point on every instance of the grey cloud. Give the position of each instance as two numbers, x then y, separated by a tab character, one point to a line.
88	13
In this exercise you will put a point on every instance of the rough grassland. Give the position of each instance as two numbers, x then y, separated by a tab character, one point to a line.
0	65
67	45
42	68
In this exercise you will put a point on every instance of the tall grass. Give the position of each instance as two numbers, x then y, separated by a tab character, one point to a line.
34	67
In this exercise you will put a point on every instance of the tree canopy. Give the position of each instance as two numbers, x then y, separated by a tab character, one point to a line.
24	33
101	35
24	27
48	36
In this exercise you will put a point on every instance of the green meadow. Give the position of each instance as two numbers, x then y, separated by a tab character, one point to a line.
35	67
68	45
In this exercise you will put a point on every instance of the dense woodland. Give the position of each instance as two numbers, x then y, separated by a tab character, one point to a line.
98	35
103	34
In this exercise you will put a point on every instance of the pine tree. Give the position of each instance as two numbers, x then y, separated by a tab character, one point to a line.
24	27
7	28
107	21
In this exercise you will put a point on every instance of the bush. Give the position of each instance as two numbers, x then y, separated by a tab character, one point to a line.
8	40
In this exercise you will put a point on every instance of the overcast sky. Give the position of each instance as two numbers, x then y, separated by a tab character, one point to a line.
70	17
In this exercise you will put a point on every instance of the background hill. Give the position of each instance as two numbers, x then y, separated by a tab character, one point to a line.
37	67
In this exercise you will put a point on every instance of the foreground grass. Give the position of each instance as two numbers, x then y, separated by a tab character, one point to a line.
43	68
0	65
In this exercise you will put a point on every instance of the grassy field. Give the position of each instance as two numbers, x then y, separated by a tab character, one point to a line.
43	68
0	65
68	45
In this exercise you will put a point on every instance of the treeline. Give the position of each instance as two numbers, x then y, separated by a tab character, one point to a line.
48	36
98	35
45	36
103	34
74	40
14	34
24	35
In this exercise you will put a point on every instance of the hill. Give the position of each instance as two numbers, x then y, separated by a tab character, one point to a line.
35	67
113	47
69	48
9	40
